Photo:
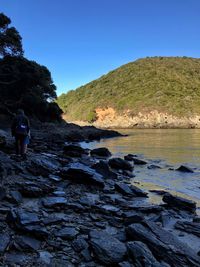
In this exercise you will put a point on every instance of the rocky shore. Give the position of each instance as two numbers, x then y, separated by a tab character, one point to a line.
109	118
69	206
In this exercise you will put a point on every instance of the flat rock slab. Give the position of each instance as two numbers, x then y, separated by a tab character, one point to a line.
83	174
124	189
179	202
53	202
28	243
141	254
164	244
20	217
68	233
189	227
107	249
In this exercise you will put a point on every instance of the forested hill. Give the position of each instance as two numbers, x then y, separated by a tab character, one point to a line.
167	84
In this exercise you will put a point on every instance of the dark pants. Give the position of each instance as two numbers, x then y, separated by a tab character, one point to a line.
20	144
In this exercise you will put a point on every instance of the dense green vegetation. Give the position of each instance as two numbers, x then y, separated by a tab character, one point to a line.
167	84
24	83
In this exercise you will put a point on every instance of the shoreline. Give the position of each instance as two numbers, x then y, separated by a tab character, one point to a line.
70	206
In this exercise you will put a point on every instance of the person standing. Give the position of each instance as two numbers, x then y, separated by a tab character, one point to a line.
21	131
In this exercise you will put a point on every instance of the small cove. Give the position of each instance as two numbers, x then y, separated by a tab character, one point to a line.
166	148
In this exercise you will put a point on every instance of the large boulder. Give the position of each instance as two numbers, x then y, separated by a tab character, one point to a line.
163	244
80	173
179	202
107	249
120	164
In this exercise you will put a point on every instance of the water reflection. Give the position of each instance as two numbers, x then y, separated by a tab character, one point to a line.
167	148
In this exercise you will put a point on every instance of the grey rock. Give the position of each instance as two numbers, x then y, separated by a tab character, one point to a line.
79	244
28	243
71	150
54	202
4	241
103	168
80	173
68	233
15	197
141	255
107	249
189	227
137	191
163	243
179	202
120	164
45	257
124	189
100	152
183	168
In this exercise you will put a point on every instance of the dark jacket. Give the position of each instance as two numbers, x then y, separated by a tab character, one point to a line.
20	119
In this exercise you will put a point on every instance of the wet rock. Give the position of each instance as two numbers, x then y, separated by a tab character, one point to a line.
54	202
4	241
107	249
83	174
137	191
163	243
141	254
89	199
189	227
129	157
100	152
139	161
71	150
103	168
68	233
124	189
179	202
27	243
183	168
153	167
120	164
158	192
109	209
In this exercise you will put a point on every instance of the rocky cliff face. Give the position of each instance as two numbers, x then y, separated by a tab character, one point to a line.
109	118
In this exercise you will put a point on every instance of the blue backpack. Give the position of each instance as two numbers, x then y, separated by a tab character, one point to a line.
21	128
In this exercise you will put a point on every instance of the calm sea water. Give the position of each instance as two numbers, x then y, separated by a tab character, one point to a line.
168	148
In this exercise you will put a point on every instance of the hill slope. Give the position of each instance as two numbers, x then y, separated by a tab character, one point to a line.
169	85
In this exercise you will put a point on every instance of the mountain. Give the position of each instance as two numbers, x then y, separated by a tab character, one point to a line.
161	91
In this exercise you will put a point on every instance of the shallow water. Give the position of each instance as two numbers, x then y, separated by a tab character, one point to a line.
168	148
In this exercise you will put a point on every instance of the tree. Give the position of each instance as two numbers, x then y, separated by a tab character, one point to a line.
28	85
10	39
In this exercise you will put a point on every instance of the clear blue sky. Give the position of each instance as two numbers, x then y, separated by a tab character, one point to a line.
80	40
